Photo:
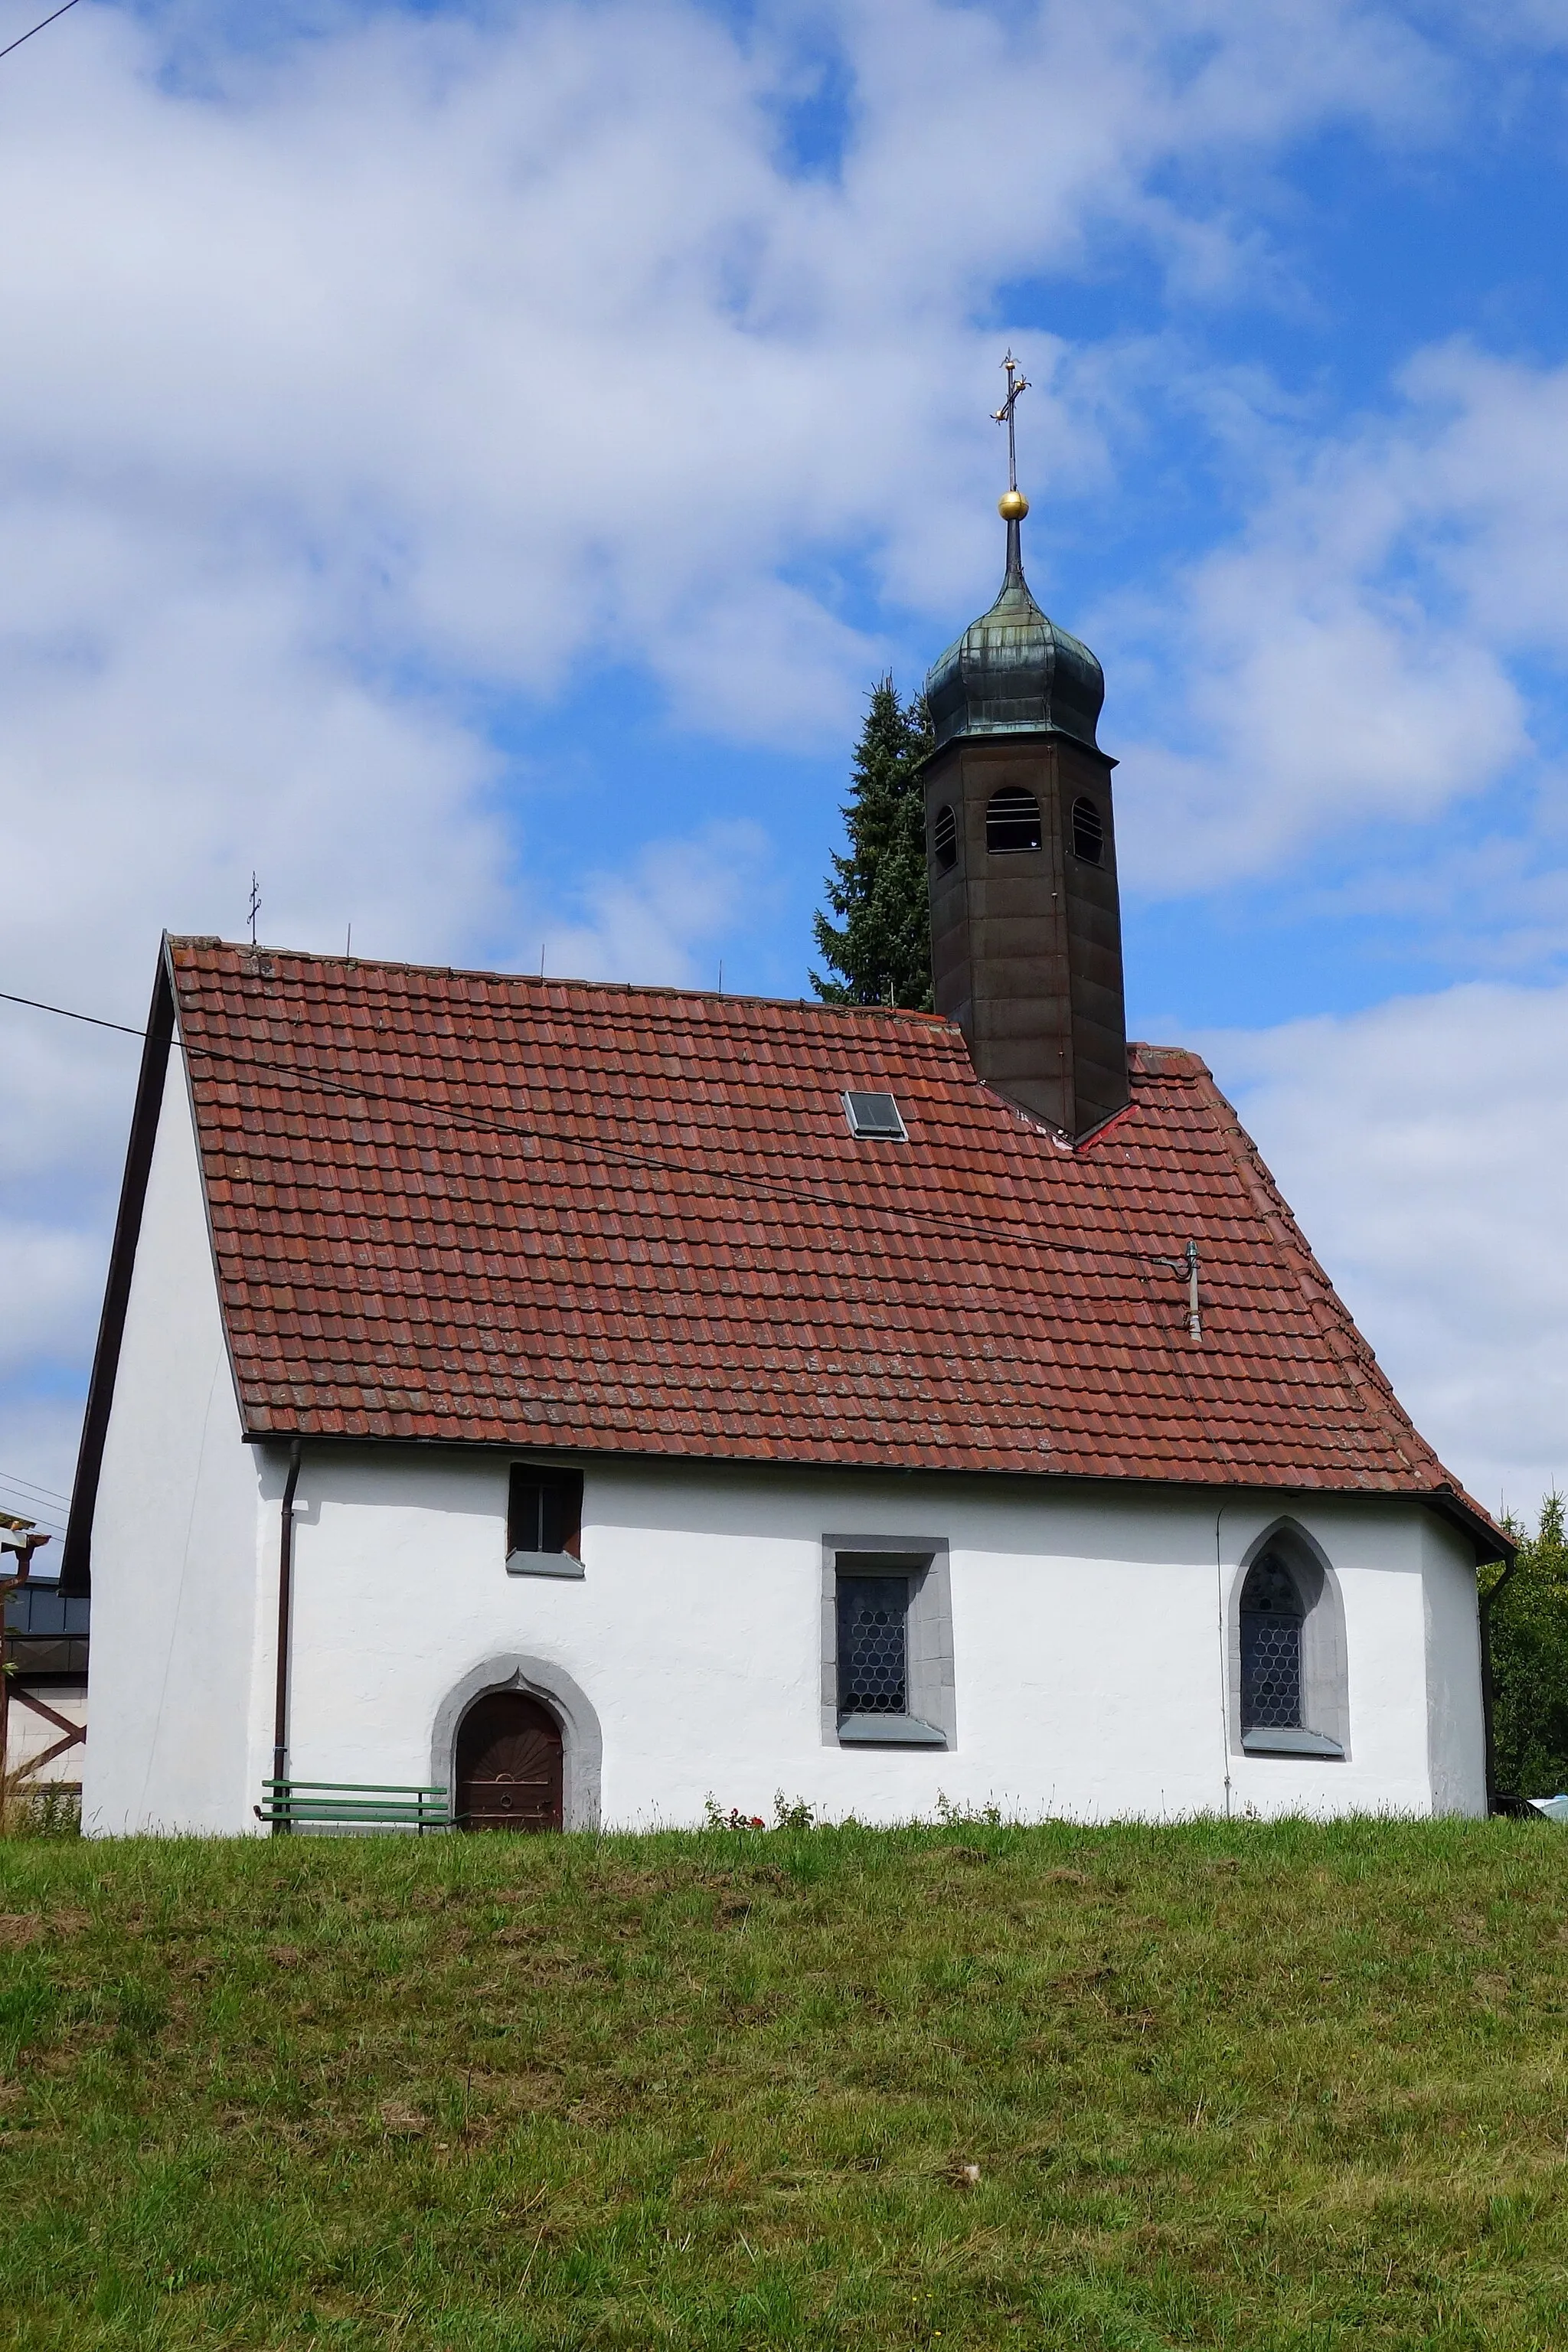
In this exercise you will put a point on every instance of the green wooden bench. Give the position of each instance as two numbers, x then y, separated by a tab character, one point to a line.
351	1804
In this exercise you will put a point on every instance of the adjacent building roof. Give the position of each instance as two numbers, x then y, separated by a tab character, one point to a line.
481	1208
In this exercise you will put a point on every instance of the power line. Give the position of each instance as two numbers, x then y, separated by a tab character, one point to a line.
93	1020
975	1226
972	1226
42	1515
34	28
46	1514
50	1493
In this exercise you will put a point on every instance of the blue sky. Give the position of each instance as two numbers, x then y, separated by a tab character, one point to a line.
1365	253
469	465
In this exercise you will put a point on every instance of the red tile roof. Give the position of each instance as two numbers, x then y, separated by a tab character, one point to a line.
476	1207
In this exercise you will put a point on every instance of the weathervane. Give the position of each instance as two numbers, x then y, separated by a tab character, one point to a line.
1014	505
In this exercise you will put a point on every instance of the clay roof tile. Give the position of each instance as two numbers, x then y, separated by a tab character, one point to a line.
634	1219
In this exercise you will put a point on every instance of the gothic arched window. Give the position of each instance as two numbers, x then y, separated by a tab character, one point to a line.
1290	1659
1013	820
1271	1620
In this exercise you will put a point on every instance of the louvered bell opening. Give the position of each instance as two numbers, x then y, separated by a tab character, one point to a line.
944	839
1087	833
1012	821
875	1115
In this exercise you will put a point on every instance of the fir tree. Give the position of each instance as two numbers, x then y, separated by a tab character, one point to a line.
878	952
1529	1641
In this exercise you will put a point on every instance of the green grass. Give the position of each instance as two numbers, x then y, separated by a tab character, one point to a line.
1243	2085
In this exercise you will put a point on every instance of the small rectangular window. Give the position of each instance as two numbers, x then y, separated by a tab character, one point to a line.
875	1115
544	1511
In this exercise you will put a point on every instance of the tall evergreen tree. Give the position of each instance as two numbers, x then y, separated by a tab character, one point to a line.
878	952
1529	1641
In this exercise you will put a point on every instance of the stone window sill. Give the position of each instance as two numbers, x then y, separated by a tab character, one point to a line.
543	1563
1292	1743
889	1731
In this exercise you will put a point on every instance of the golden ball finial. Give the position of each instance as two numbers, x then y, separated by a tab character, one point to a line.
1011	506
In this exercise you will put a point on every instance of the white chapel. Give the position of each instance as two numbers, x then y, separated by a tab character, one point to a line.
532	1404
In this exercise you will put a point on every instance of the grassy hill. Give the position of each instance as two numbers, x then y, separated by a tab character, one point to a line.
1241	2085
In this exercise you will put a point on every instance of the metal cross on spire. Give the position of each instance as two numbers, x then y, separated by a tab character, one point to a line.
1016	382
1013	505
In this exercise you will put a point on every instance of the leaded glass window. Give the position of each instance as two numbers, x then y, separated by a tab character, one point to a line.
873	1644
1271	1616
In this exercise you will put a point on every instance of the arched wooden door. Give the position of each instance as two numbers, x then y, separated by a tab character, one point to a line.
510	1766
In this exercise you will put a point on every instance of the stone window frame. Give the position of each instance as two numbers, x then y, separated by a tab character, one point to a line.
933	1719
1325	1736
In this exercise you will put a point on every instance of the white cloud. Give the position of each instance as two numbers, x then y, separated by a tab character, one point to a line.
648	924
486	351
50	1281
523	332
1352	658
1487	487
1421	1146
1326	710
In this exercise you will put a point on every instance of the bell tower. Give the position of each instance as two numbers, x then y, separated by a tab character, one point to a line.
1021	850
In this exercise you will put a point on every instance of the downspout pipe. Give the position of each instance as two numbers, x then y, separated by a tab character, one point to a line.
285	1604
1223	1650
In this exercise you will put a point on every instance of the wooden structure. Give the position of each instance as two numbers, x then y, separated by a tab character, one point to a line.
19	1540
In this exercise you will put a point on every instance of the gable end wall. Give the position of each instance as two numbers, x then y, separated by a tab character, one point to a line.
173	1696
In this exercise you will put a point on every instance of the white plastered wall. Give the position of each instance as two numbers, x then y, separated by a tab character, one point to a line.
176	1597
1088	1636
1456	1729
1409	1751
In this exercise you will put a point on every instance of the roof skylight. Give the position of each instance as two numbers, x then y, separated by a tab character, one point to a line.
876	1115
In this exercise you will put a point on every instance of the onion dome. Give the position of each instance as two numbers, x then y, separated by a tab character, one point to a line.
1014	672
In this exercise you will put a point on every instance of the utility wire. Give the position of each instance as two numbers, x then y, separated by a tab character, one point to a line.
46	1514
35	1498
53	1493
973	1227
34	28
93	1020
976	1227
